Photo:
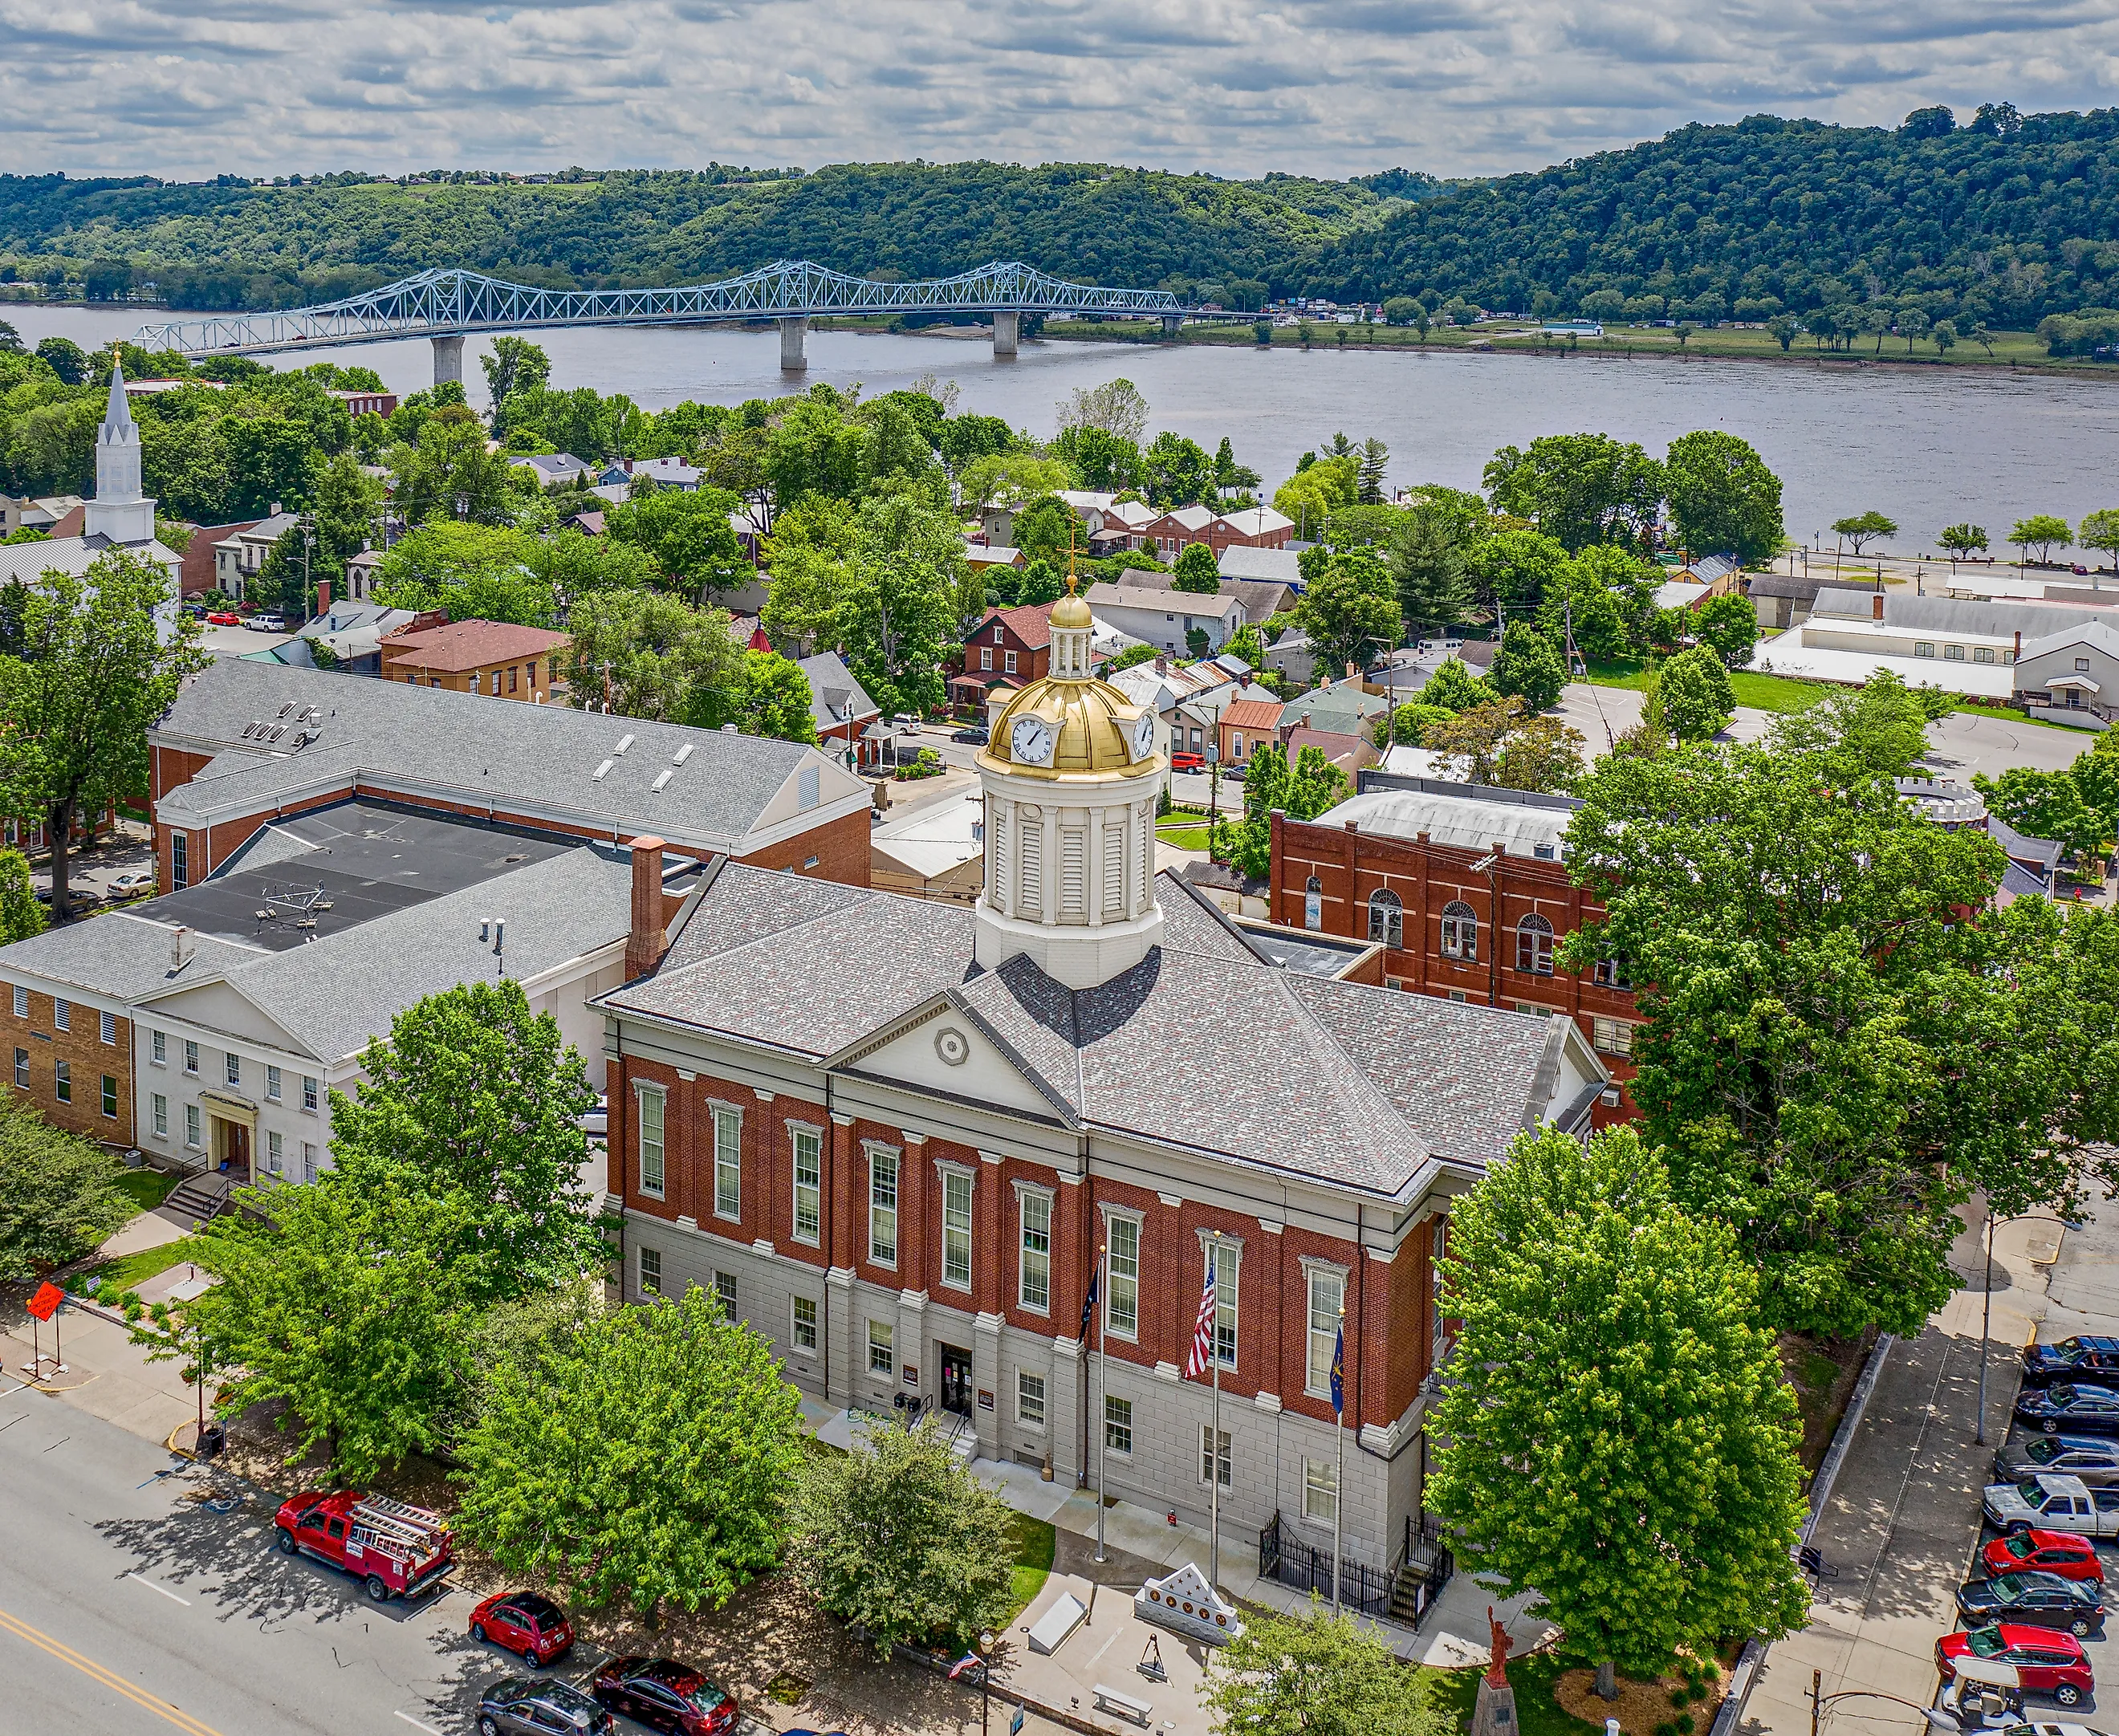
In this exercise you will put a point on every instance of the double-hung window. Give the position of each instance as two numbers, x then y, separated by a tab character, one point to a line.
191	1056
275	1152
881	1358
1327	1295
161	1115
272	1083
1118	1424
161	1047
1228	1258
109	1097
1122	1295
234	1069
804	1322
652	1102
651	1271
1029	1399
63	1080
809	1186
1320	1490
1034	1283
191	1125
1214	1465
883	1207
957	1229
309	1094
728	1163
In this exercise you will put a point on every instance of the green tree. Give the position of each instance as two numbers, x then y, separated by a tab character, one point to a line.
1369	474
1785	329
2041	531
1961	540
447	472
1428	567
1401	310
472	571
477	1101
348	508
1198	572
1302	792
1527	667
346	1306
774	699
688	536
1609	1347
1349	612
1578	488
1728	626
1512	570
1314	1675
1722	498
650	1458
2045	804
650	655
20	915
1875	730
1864	527
1176	471
1943	335
899	601
899	1539
1697	701
65	358
59	1196
2100	530
1453	688
1407	725
1911	326
513	364
91	672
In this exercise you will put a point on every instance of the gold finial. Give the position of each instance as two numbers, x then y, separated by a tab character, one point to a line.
1071	581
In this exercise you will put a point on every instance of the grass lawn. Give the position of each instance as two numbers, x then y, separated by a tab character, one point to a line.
130	1270
2010	714
1183	837
1759	692
147	1188
1453	1690
1035	1541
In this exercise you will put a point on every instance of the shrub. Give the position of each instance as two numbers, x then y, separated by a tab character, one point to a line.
1684	1722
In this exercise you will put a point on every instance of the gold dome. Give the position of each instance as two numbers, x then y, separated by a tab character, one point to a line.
1092	729
1072	610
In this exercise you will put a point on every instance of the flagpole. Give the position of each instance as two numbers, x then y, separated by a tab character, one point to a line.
1214	1448
1339	1461
1103	1261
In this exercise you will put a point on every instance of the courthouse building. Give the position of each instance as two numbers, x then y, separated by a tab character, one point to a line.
894	1135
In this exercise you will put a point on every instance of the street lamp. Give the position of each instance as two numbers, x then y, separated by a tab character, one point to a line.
1987	1301
985	1678
1940	1724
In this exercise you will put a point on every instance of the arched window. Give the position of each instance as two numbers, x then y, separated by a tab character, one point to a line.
1534	946
1312	903
1460	931
1386	918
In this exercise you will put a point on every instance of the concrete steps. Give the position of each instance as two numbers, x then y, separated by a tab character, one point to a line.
200	1198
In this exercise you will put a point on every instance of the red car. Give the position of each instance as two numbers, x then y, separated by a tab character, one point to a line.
523	1622
2067	1553
2048	1661
664	1694
223	617
1187	763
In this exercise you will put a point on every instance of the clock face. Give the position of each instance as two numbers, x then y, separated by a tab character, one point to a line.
1031	741
1143	735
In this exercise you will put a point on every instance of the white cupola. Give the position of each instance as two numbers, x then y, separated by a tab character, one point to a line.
119	510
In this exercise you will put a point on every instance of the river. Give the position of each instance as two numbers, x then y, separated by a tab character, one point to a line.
1928	447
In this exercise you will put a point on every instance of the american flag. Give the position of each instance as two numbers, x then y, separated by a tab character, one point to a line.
1203	1334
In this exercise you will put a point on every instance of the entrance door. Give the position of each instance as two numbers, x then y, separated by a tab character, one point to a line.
956	1379
237	1150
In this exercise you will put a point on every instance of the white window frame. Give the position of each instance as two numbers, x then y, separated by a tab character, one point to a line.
308	1094
191	1056
191	1130
161	1115
1033	1249
310	1168
728	1168
882	1349
1320	1280
727	1295
1029	1407
109	1029
1127	1328
61	1014
159	1049
22	994
272	1083
813	1188
1320	1491
276	1148
231	1068
1460	931
802	1334
649	1269
1118	1426
958	1192
882	1197
1227	1464
654	1177
1612	1037
1228	1255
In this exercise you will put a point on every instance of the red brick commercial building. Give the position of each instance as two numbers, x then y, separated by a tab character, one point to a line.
1468	888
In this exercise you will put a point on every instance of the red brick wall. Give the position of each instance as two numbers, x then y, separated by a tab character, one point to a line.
840	847
1351	866
87	1055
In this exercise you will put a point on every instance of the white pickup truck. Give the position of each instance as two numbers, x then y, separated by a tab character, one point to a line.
2053	1504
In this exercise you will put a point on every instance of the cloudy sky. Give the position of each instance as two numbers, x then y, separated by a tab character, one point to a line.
186	88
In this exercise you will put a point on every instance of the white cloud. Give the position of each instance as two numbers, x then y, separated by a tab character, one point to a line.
186	88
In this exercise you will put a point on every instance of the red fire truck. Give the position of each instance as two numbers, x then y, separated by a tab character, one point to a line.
399	1550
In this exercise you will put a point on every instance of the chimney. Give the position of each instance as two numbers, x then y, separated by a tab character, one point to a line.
180	948
2019	652
1351	672
1162	665
1876	607
324	596
643	942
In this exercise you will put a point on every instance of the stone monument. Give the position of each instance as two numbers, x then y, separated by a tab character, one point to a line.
1494	1712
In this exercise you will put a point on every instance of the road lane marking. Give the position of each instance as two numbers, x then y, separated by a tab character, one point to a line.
96	1672
417	1725
166	1591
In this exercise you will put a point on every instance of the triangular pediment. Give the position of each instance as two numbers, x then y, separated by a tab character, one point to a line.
945	1048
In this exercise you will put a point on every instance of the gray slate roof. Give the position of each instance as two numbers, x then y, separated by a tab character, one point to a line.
835	695
2098	632
479	749
119	955
1986	620
1359	1086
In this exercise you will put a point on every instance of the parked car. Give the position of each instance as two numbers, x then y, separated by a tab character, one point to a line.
265	624
2095	1462
2037	1599
2073	1409
2049	1503
223	617
132	882
543	1708
399	1550
2095	1361
664	1694
974	738
2049	1663
525	1622
1187	762
2067	1553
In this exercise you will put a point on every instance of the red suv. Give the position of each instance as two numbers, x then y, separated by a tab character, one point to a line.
2067	1553
2049	1662
523	1622
664	1694
1187	763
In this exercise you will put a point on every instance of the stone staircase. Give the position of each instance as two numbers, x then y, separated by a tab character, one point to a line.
201	1197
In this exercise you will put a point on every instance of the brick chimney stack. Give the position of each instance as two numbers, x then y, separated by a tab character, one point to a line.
643	941
1876	607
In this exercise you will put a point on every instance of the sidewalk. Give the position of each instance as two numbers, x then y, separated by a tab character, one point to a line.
1904	1519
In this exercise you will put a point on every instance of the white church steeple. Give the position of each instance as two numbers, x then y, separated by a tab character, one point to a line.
119	510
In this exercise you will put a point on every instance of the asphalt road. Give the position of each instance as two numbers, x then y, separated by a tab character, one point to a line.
127	1609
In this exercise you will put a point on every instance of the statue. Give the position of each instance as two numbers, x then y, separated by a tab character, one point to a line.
1497	1672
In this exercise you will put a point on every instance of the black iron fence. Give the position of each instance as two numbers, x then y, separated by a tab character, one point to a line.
1422	1567
1305	1567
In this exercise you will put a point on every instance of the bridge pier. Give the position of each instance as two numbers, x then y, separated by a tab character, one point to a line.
1171	324
793	328
449	359
1006	326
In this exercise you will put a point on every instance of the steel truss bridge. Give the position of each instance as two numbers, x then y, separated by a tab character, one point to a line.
448	305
